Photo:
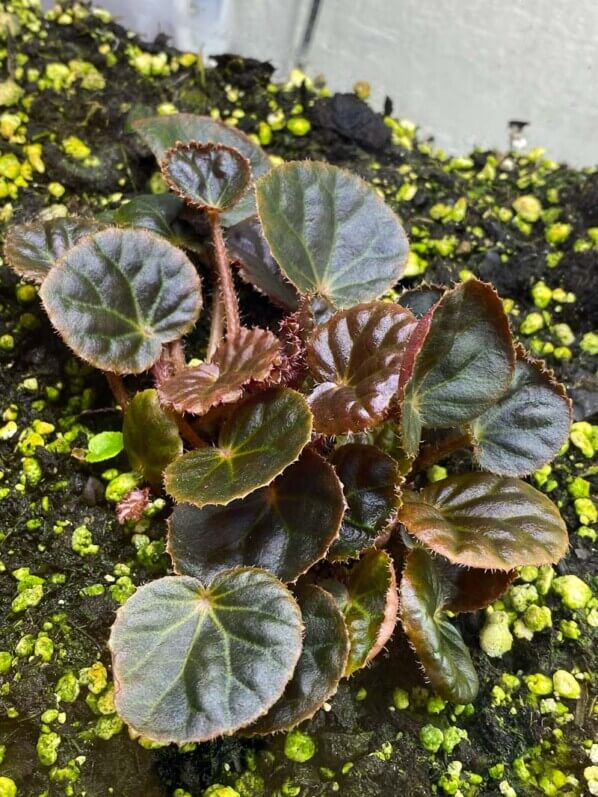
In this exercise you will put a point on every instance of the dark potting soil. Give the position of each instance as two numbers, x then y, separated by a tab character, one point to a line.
58	596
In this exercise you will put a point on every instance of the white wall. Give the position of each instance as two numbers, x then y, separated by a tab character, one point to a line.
459	68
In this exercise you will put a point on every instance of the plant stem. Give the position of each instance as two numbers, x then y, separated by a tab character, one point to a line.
216	325
434	452
225	280
119	391
188	432
177	355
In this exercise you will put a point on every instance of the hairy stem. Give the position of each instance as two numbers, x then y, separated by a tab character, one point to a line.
225	280
216	325
177	355
119	391
434	452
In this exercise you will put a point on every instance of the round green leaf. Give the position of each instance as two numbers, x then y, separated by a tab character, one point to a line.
162	132
330	232
151	436
368	601
529	424
192	662
483	520
32	249
437	642
152	212
104	445
257	443
459	361
370	482
284	528
320	666
250	355
206	176
118	295
355	360
246	243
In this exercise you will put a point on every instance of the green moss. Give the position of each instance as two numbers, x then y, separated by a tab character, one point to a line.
299	747
47	748
573	592
8	788
431	738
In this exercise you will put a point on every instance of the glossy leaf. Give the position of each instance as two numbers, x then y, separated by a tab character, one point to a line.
103	446
369	603
474	588
420	299
370	482
32	249
459	361
152	212
246	243
320	666
239	359
257	443
162	132
483	520
191	662
424	598
528	426
151	436
206	176
284	528
355	360
118	295
330	232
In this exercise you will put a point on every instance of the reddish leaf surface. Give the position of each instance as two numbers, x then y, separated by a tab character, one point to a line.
355	359
249	356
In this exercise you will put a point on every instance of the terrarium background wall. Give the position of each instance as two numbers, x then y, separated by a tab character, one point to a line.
460	70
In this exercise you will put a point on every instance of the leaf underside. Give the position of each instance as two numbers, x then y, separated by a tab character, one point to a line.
247	356
459	361
265	434
370	482
527	427
369	602
206	176
246	243
151	436
118	295
231	648
32	249
355	360
488	521
162	132
320	666
424	598
420	299
284	528
330	232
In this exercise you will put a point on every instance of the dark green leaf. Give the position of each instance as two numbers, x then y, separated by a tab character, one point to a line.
257	443
284	528
458	363
319	669
206	176
355	359
419	300
118	295
245	242
483	520
439	646
104	445
192	662
151	436
32	249
152	212
162	132
528	426
248	356
330	232
370	482
369	603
